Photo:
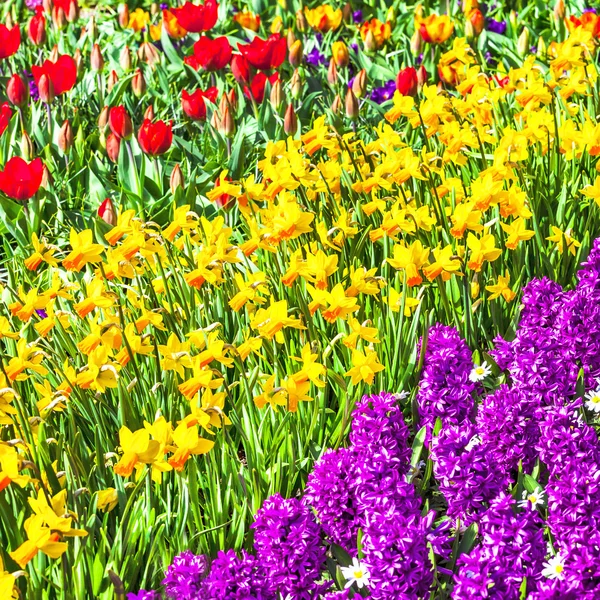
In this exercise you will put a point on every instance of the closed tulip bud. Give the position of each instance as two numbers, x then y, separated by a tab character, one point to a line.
295	54
477	21
78	58
523	42
47	5
347	13
336	105
407	82
96	59
277	25
113	146
339	53
113	78
301	24
474	289
103	118
16	91
290	122
123	15
390	17
149	113
332	73
91	28
512	19
541	47
58	18
46	89
232	99
415	43
73	11
370	42
291	38
276	97
215	120
469	30
559	10
65	137
359	85
138	84
296	85
223	103
46	178
154	9
227	124
54	54
148	53
351	105
421	76
26	147
125	59
8	21
120	123
36	31
106	211
176	180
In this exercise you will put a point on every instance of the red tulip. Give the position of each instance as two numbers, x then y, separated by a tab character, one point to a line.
37	27
193	104
265	54
240	68
106	211
17	91
62	73
5	115
21	180
119	122
155	138
10	39
113	147
257	86
407	82
197	18
211	55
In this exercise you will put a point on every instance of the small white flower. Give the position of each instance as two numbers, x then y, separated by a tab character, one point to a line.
480	372
356	573
534	498
553	569
474	441
593	400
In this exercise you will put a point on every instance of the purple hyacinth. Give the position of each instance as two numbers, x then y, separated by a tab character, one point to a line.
445	391
238	578
288	545
33	4
383	93
144	595
496	26
466	471
185	577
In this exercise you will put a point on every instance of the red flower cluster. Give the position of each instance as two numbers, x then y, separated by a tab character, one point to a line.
197	18
21	180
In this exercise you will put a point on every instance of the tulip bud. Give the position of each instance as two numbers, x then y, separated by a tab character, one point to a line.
154	9
415	43
512	19
421	76
113	146
359	85
46	89
559	10
332	73
295	54
125	59
336	105
36	30
138	84
16	91
46	178
290	122
301	24
339	52
103	118
474	289
91	28
223	103
407	81
469	30
106	211
370	42
113	78
347	13
58	18
26	147
351	105
277	25
123	12
78	58
291	38
276	97
47	4
477	21
149	113
96	59
176	180
8	21
296	85
215	120
541	47
65	137
54	54
232	99
390	17
148	53
523	42
227	124
73	11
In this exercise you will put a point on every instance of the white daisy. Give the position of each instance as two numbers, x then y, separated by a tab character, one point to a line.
480	372
593	400
356	573
553	569
534	498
